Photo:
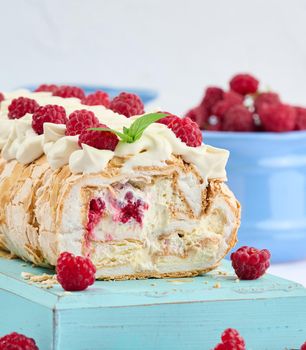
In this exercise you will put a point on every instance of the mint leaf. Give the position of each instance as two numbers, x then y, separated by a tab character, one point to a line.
140	124
135	131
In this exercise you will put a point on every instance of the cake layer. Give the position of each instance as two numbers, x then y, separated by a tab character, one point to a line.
157	222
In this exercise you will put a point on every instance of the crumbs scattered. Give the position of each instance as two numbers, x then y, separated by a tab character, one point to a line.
153	284
183	280
44	281
217	285
205	282
222	273
237	280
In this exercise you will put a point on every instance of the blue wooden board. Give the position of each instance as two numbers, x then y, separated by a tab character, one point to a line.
153	314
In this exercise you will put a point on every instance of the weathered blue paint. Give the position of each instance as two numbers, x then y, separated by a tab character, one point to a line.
267	173
154	314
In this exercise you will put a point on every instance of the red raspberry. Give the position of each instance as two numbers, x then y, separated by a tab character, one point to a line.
201	117
278	118
264	99
231	340
244	84
213	123
16	341
127	104
303	347
1	97
46	88
48	114
99	98
99	139
75	273
233	97
67	91
250	263
238	118
21	106
300	118
185	129
79	121
212	96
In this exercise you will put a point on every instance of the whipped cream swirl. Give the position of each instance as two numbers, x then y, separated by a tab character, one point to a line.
157	145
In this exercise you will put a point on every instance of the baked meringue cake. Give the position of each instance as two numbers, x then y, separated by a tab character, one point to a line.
152	208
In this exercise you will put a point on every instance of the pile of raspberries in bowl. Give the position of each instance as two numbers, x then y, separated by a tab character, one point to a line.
244	108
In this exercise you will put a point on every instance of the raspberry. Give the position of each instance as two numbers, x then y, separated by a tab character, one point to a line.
16	341
238	118
212	96
48	114
127	104
80	120
244	84
133	209
233	97
231	340
266	99
99	139
185	129
250	263
198	115
96	99
21	106
213	123
46	88
75	273
278	118
67	91
300	118
1	97
303	347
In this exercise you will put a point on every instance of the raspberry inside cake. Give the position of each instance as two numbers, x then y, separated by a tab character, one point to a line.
156	207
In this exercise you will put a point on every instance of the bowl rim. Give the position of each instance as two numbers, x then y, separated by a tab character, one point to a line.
273	136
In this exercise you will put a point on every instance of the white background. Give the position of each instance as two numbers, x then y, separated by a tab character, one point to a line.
176	47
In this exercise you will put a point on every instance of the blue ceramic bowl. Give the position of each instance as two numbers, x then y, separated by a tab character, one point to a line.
267	173
145	94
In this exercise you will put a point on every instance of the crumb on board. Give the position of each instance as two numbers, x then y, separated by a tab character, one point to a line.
153	284
237	280
44	281
217	285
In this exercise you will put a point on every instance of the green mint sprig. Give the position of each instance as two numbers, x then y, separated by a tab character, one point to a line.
135	131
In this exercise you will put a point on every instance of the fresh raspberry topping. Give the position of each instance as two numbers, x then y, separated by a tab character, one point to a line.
21	106
244	84
133	209
231	340
79	121
67	91
46	88
250	263
75	273
99	139
300	118
278	118
266	99
48	114
16	341
212	96
238	118
1	97
96	99
127	104
198	115
303	347
185	129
